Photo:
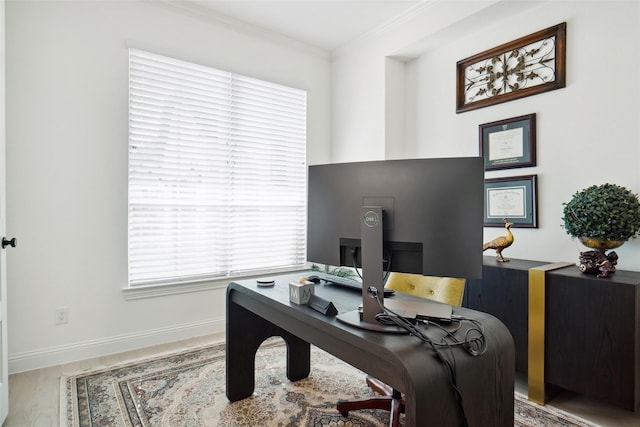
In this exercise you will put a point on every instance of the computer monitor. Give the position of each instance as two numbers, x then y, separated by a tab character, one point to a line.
419	216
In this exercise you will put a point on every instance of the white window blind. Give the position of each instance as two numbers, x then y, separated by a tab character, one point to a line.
217	172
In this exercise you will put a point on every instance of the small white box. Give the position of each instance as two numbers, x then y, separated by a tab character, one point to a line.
300	292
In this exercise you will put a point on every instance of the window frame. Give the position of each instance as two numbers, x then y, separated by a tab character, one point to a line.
194	282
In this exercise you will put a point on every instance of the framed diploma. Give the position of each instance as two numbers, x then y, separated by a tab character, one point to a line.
514	198
509	143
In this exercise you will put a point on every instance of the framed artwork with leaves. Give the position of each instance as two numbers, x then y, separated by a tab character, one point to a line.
527	66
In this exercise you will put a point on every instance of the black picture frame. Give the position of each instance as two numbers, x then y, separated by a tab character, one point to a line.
509	143
515	198
523	67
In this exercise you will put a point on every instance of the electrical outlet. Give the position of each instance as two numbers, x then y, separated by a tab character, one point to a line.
62	315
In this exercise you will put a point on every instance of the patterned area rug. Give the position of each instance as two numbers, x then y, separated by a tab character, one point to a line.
188	389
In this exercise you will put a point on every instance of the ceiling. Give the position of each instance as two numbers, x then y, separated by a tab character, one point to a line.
325	24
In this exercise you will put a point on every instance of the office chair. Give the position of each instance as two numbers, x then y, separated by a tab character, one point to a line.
443	289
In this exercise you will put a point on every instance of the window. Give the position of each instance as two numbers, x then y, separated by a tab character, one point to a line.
217	173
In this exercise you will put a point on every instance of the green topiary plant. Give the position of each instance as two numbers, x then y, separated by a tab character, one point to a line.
608	212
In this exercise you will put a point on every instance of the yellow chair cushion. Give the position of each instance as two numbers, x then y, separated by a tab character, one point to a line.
448	290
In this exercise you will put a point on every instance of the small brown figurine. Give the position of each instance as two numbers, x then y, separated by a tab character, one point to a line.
597	262
501	243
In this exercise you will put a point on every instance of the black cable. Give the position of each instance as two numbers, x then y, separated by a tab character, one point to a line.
474	345
474	342
355	266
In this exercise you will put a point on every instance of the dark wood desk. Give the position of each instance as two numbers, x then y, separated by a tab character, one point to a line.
405	363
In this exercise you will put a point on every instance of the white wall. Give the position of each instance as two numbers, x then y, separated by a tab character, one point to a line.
587	133
66	75
66	115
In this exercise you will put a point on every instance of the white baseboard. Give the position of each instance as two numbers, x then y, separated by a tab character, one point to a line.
42	358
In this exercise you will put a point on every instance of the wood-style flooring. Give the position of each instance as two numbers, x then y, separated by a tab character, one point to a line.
34	396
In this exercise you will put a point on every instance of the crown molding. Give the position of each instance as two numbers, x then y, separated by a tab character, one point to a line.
387	26
198	11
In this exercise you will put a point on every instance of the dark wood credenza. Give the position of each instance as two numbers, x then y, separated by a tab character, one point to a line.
592	326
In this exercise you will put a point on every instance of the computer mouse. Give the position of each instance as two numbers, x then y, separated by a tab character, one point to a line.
313	278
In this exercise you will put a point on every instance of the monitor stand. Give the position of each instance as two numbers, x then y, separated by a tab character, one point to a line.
371	238
353	318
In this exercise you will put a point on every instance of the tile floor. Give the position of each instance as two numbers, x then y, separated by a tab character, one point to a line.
34	396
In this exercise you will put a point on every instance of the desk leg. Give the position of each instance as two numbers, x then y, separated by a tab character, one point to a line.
245	333
416	410
298	357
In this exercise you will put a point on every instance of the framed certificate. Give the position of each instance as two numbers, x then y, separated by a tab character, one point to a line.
509	143
514	198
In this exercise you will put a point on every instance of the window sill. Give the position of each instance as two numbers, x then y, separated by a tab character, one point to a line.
165	289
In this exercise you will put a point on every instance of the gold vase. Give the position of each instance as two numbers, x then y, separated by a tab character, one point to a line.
600	244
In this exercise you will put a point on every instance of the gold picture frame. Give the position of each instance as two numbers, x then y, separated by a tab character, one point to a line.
527	66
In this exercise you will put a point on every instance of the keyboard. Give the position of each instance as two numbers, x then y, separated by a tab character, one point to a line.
344	282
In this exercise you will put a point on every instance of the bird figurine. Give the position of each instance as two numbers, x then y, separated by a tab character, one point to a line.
501	243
